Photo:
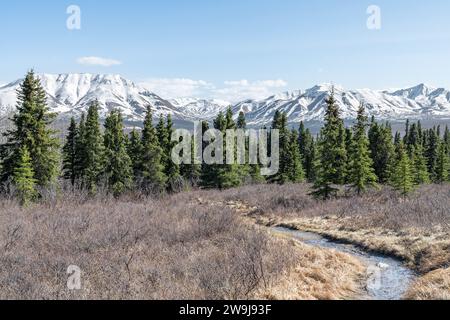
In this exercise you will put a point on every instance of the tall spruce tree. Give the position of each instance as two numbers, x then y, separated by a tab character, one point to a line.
381	149
329	167
172	170
118	166
32	130
92	164
419	163
70	153
431	152
294	165
361	172
80	151
402	174
153	177
134	149
229	173
442	164
23	177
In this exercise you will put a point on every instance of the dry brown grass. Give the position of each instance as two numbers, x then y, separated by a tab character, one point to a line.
167	248
434	285
319	275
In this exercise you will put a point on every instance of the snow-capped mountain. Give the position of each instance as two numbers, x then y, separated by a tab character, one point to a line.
71	94
195	108
419	102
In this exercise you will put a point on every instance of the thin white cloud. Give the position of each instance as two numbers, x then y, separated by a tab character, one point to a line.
231	90
98	61
178	87
238	90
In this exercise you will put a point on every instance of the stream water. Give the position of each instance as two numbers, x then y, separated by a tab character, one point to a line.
387	278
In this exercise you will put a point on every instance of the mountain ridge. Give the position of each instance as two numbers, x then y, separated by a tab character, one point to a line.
71	94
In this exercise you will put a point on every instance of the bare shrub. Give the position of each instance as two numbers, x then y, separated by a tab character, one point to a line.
154	248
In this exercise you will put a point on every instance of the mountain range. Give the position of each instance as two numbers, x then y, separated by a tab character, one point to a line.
71	94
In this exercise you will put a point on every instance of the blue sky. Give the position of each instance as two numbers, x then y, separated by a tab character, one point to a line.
232	48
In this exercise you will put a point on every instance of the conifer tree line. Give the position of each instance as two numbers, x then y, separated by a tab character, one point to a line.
104	157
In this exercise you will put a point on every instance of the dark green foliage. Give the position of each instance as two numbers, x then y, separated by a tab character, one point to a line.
23	177
402	174
92	150
32	130
134	149
70	153
442	164
153	176
419	163
118	165
361	172
381	149
307	151
331	147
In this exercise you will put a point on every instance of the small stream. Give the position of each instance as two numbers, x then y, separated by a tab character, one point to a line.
388	278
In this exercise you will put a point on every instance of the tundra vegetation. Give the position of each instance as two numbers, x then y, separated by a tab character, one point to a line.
137	224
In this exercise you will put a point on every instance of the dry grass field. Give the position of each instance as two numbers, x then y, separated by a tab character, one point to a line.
202	244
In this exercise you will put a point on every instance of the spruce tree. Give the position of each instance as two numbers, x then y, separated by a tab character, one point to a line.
70	153
229	173
361	172
431	152
23	177
118	165
191	172
80	151
402	174
172	170
381	149
283	174
134	149
208	171
294	166
419	163
329	166
93	150
442	164
32	123
153	177
307	151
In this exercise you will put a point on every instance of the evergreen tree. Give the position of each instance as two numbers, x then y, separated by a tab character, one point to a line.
191	172
23	177
329	166
93	149
172	170
431	152
307	151
134	149
283	175
228	174
208	172
80	151
381	149
361	173
153	177
402	175
348	150
118	168
70	153
442	164
294	166
32	130
419	163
